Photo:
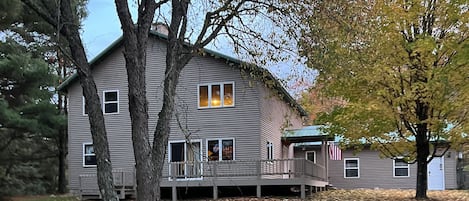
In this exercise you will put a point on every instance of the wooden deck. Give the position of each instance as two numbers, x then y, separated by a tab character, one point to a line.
291	172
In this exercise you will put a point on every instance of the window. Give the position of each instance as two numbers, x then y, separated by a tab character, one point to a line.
220	149
111	102
351	168
270	150
89	157
216	95
311	155
401	168
85	112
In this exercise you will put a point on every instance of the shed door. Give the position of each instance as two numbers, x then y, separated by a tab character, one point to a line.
436	174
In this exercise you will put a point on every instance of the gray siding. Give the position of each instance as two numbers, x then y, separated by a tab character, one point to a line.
276	116
242	122
301	153
376	172
110	75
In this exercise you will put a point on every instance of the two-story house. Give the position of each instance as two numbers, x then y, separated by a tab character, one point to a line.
232	126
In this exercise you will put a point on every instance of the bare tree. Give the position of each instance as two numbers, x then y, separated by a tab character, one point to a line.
225	17
65	18
232	18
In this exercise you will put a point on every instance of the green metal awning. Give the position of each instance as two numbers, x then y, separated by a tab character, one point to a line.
306	134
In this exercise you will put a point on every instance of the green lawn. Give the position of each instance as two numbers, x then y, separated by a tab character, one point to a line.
45	198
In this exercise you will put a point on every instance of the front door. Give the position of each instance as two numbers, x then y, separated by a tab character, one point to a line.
436	174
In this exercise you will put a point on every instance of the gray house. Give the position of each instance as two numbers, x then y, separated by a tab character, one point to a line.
366	169
233	124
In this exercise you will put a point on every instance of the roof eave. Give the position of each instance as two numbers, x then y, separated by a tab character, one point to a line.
100	57
278	86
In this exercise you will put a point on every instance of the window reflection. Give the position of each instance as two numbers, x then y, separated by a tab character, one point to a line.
216	96
203	96
228	95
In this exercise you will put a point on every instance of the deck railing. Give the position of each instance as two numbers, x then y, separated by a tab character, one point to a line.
124	179
278	168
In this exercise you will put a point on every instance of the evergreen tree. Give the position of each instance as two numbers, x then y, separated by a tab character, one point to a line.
28	120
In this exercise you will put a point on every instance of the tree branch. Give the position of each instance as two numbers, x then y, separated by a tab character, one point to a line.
45	15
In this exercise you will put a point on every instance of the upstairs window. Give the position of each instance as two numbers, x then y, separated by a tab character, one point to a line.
311	155
351	168
89	157
401	168
111	102
220	149
216	95
85	112
270	151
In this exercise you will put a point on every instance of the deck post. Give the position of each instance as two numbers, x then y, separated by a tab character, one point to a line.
215	192
215	187
326	160
174	193
303	189
258	186
81	188
258	191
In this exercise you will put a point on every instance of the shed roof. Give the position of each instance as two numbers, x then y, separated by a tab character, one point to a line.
261	73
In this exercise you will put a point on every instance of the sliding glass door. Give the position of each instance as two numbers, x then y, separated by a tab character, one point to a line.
185	159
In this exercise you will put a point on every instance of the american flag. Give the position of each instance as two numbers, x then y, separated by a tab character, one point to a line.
335	153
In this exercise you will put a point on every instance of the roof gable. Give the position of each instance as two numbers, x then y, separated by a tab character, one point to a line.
259	73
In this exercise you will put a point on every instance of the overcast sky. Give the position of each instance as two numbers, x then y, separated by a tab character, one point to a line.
102	27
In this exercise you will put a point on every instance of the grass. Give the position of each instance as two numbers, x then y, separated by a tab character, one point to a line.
45	198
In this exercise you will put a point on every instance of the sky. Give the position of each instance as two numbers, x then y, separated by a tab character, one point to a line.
102	27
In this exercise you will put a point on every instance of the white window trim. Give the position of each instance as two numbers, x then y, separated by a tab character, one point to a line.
105	102
314	153
85	154
222	94
345	168
270	150
83	106
394	169
220	153
185	156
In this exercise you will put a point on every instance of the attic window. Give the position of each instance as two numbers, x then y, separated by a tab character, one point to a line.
111	102
216	95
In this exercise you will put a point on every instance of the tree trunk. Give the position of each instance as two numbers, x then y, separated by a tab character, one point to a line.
163	128
423	150
422	154
62	183
96	119
62	144
135	42
177	56
138	108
